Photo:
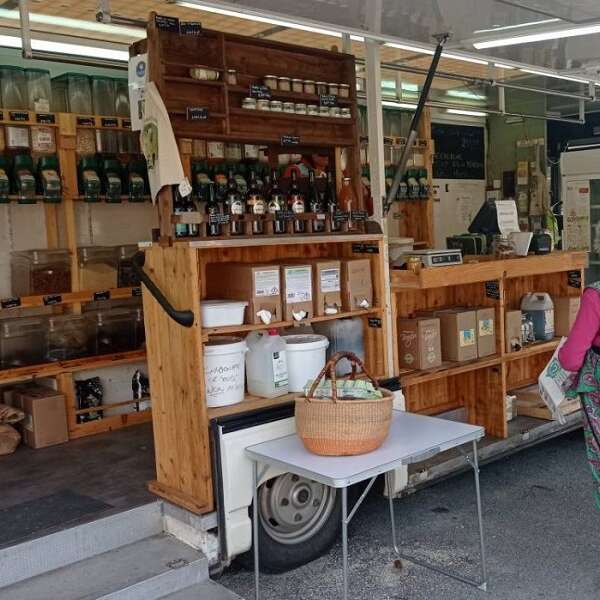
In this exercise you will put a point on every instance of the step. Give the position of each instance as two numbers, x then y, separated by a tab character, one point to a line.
209	590
41	555
147	569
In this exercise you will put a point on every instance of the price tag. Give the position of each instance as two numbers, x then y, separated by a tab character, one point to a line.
290	140
196	113
85	121
574	279
374	322
18	115
285	215
185	188
365	248
11	302
340	216
492	290
359	215
328	100
218	219
52	299
262	92
190	28
45	118
103	295
164	23
109	122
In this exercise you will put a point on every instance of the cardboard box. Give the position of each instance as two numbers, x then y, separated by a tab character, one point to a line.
258	284
327	285
459	337
565	313
357	285
486	332
45	422
512	330
419	343
296	288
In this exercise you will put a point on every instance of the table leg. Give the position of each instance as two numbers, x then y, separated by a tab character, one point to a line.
345	540
255	527
388	481
483	585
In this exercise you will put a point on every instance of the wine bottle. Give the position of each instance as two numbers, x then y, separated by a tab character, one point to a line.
315	203
235	205
179	207
213	209
276	204
255	204
348	200
332	203
296	204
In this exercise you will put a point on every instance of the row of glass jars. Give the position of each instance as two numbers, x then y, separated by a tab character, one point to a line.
306	86
296	108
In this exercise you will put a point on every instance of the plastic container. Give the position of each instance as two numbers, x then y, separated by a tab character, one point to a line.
540	308
89	181
266	364
224	370
39	90
306	356
97	268
344	335
220	313
126	275
14	87
36	272
104	96
112	331
71	92
68	337
121	98
22	342
48	177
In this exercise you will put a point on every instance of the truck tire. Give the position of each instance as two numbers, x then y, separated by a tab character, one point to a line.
299	520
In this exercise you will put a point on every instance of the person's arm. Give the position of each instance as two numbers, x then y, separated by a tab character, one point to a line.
585	329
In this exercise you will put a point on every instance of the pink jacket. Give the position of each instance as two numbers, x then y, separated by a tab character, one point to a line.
584	334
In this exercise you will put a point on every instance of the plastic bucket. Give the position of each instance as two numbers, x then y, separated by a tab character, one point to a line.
219	313
305	358
224	370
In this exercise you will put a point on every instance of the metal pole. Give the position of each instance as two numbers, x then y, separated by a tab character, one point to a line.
255	528
344	541
392	517
25	28
479	517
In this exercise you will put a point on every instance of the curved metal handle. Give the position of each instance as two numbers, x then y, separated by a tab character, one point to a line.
185	318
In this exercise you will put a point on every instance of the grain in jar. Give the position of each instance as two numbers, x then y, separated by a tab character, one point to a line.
333	89
231	76
284	84
344	90
309	86
298	86
321	87
97	268
270	81
40	272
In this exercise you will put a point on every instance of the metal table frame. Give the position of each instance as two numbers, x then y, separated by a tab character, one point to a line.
259	455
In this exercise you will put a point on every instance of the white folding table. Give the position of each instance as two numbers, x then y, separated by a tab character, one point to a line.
412	438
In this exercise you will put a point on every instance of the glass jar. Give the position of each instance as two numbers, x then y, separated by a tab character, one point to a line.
43	139
112	331
312	110
263	104
300	108
22	342
68	337
333	89
276	106
233	152
284	84
122	98
250	151
249	103
38	272
344	90
270	81
334	111
309	87
345	113
203	74
298	86
39	93
289	107
104	96
503	247
72	93
97	268
215	149
126	274
231	76
321	87
13	85
323	111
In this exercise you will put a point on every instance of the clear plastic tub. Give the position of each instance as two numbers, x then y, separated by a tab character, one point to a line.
112	331
39	90
122	98
36	272
14	87
68	337
344	335
97	268
103	96
22	342
126	276
72	92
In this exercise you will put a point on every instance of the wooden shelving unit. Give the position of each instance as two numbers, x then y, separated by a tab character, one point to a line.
481	385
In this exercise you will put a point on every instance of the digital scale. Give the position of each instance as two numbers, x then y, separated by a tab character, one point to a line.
438	258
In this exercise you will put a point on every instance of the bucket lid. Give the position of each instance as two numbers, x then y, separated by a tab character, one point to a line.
224	344
305	341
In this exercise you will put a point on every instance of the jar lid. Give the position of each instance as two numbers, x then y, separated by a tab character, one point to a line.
308	81
231	71
270	76
296	80
249	99
276	103
321	83
284	78
344	85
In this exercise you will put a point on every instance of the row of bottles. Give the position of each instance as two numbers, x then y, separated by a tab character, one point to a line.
414	185
21	178
108	177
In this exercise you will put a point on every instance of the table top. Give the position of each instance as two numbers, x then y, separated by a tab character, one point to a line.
412	438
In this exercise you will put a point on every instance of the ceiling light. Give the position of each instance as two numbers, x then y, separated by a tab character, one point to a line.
477	61
67	48
538	37
518	25
468	113
503	66
465	94
554	75
409	48
399	105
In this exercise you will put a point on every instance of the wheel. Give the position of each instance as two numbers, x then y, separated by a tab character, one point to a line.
299	520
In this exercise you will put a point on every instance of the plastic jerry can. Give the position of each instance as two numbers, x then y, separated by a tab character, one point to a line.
266	364
540	308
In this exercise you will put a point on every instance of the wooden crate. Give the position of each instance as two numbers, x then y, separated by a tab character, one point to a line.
530	404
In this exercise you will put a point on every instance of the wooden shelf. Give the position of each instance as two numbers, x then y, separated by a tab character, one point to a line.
411	378
289	116
545	264
297	96
533	350
194	81
110	423
250	403
124	198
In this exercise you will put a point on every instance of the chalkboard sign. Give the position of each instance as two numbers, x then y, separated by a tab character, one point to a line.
196	113
261	92
459	152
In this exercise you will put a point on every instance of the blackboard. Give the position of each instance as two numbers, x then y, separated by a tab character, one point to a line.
459	152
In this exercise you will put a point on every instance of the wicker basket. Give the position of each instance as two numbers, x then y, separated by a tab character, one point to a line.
332	427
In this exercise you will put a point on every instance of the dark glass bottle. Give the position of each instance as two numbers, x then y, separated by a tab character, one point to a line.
255	204
213	209
296	204
276	203
235	205
179	207
315	203
332	204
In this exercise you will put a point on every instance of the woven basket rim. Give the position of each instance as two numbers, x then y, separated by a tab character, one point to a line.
387	395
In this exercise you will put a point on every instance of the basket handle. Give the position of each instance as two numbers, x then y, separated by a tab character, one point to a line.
330	368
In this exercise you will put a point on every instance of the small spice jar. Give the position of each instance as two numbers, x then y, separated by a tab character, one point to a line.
300	108
263	104
323	111
309	87
288	107
334	111
231	76
322	87
345	113
249	103
313	110
270	81
215	149
333	89
344	90
298	86
284	84
276	106
413	263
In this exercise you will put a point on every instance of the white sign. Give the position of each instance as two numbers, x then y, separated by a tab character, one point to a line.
138	76
508	218
576	211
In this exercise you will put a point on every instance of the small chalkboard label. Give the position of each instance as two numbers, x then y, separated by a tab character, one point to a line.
45	118
341	216
11	302
52	299
262	92
196	113
165	23
136	291
492	290
574	279
190	28
365	248
18	115
103	295
285	215
374	322
85	121
328	100
109	122
359	215
126	124
290	140
218	219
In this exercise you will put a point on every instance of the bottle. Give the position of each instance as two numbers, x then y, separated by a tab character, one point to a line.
423	184
276	204
201	179
180	207
315	202
348	200
413	183
235	206
214	212
296	204
332	203
255	205
266	364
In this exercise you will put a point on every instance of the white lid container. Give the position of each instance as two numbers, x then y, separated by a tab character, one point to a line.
306	357
224	370
220	313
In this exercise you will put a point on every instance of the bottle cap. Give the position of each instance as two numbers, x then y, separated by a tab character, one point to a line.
272	331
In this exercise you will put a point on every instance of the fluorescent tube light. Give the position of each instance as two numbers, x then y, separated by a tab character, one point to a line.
554	75
477	61
503	66
418	50
468	113
465	94
399	105
409	48
540	36
517	26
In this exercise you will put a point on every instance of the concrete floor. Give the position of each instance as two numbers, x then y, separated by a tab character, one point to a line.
542	533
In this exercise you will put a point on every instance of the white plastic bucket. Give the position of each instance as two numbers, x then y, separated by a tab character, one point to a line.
305	357
219	313
224	370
